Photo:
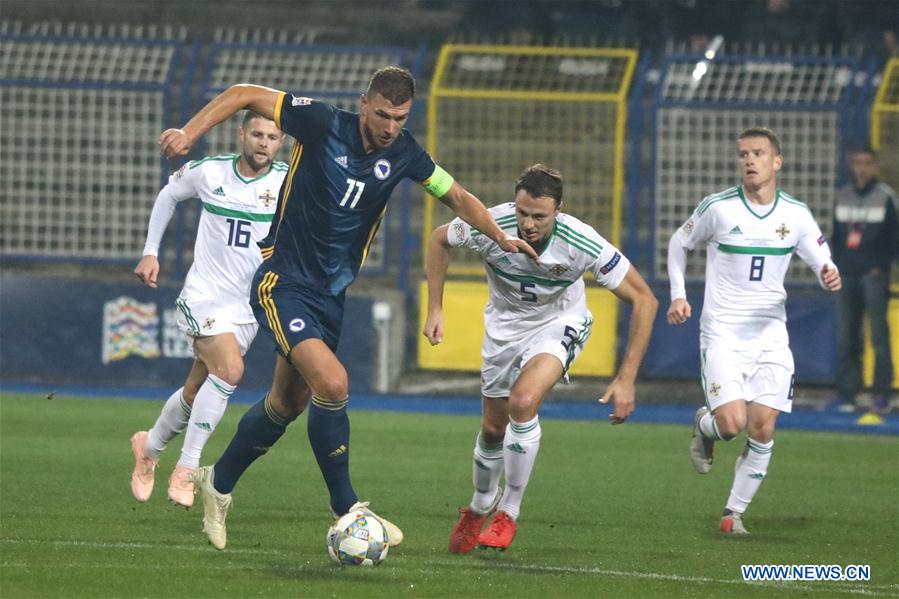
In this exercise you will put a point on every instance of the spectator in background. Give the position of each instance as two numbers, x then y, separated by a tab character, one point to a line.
784	23
865	244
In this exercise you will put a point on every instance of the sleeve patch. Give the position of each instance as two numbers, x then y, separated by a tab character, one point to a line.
300	101
821	240
611	264
688	226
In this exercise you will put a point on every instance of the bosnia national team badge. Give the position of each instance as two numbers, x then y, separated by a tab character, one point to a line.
382	169
714	389
782	231
267	197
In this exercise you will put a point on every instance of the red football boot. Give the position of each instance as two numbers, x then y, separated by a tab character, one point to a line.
465	533
500	533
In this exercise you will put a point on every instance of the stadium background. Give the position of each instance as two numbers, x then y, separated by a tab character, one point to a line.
621	96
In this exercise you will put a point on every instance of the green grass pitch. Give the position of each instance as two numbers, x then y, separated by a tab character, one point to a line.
610	512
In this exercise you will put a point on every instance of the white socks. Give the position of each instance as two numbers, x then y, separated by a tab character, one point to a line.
708	427
486	470
749	472
172	420
208	409
520	449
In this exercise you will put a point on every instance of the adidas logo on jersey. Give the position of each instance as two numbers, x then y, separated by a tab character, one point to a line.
218	191
341	160
736	230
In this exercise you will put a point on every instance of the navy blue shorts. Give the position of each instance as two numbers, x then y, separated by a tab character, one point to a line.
290	313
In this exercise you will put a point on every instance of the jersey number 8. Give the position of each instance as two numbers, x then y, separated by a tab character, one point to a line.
756	268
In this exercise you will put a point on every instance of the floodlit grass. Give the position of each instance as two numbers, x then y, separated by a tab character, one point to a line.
610	512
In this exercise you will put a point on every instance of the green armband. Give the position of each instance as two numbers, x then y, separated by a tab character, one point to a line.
439	182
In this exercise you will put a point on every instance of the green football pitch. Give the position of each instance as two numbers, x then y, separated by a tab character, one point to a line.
610	512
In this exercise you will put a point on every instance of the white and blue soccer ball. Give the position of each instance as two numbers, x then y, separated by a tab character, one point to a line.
357	539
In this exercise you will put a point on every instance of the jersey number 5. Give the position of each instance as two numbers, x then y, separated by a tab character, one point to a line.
756	268
351	184
238	232
526	294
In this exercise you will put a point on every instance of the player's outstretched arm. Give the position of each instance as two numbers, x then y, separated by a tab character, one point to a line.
633	290
471	210
178	142
438	261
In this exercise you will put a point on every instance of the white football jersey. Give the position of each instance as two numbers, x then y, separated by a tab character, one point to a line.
236	213
525	295
749	249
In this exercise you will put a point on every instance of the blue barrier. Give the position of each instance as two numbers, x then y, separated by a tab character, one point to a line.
61	330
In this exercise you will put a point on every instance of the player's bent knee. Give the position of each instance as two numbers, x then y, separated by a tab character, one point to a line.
493	432
729	428
232	373
333	389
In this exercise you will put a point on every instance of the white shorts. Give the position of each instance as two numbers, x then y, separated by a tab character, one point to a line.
503	360
764	377
208	319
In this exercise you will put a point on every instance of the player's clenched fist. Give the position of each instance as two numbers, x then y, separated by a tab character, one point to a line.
174	143
679	311
434	328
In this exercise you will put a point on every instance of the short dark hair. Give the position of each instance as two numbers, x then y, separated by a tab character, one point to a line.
248	116
863	150
396	84
540	180
763	132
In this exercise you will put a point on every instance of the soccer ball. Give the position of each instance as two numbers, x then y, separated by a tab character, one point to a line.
357	539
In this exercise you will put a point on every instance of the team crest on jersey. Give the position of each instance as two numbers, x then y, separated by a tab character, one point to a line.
301	101
688	226
557	270
267	197
297	324
782	231
382	169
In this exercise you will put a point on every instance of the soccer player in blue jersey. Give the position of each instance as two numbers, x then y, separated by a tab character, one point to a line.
342	172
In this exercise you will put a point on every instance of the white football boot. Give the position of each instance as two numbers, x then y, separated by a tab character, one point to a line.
702	450
215	507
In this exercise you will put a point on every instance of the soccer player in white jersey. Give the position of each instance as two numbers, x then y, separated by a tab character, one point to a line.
750	233
239	194
536	324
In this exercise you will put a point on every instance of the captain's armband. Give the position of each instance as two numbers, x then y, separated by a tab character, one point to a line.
438	183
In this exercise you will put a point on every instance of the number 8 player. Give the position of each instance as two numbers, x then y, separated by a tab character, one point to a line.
750	232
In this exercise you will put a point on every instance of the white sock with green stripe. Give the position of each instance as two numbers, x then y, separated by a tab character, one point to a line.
170	424
486	470
520	449
749	472
709	428
208	409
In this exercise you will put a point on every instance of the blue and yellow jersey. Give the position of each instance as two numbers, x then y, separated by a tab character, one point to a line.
334	195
